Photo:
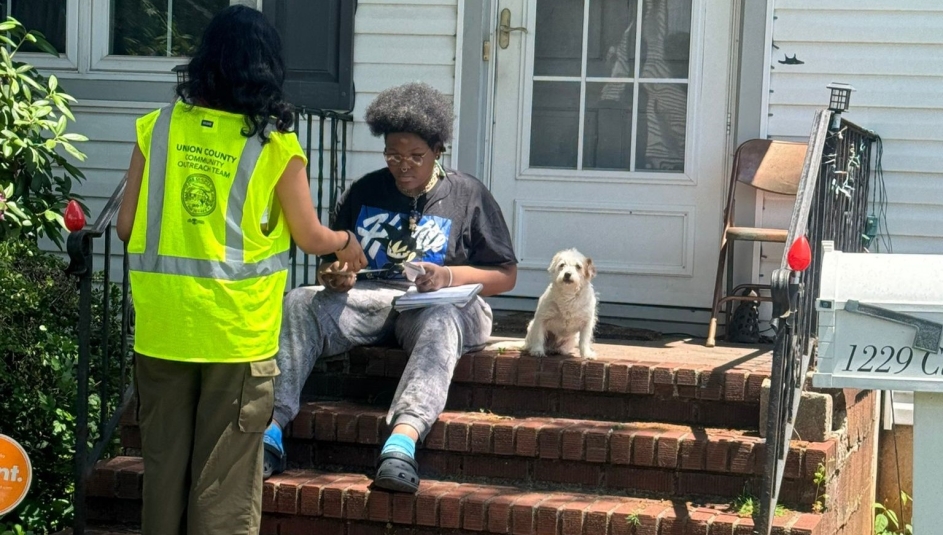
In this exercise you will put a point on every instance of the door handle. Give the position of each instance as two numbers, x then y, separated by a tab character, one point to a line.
505	29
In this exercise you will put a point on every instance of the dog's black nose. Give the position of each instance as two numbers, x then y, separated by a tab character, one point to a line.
567	276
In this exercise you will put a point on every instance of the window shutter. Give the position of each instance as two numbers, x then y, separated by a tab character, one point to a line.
318	47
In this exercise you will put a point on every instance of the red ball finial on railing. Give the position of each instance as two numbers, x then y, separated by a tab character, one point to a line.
74	217
800	254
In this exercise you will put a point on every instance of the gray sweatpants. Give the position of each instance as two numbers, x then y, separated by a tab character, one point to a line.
320	322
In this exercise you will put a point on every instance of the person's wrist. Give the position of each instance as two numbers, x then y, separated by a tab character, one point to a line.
346	243
449	284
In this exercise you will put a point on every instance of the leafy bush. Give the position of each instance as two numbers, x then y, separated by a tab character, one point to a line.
35	177
39	312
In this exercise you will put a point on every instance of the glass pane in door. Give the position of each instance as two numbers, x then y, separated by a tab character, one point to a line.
662	120
607	128
555	125
558	42
610	46
666	38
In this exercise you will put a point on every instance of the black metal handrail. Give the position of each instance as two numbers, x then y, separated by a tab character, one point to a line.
831	205
336	175
81	247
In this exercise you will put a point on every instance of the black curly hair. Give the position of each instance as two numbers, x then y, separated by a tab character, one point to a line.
414	108
238	68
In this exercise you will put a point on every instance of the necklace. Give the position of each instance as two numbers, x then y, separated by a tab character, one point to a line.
414	215
426	189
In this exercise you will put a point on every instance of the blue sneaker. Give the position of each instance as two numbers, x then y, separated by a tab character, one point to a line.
275	459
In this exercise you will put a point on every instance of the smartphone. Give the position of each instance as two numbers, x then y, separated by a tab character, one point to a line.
412	270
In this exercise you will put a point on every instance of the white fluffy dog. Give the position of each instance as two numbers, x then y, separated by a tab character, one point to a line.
566	309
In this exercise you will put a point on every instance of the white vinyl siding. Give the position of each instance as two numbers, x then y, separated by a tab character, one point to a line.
892	53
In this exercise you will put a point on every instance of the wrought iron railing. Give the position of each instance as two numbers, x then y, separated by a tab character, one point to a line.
88	449
831	205
102	362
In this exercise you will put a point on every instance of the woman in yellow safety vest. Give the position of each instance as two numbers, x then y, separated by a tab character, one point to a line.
215	191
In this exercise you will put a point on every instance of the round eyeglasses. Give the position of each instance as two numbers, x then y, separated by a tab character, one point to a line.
413	159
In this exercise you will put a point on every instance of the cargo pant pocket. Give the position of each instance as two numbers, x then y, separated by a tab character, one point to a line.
258	396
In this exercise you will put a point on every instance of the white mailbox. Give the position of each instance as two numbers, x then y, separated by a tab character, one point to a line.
880	328
880	321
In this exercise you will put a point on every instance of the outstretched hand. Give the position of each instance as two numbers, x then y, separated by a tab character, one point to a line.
352	255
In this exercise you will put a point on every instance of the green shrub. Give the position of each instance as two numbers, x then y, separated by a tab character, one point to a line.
38	357
35	177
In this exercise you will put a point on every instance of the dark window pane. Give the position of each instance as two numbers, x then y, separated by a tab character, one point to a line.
190	18
139	27
662	121
607	134
610	48
558	41
45	16
666	38
555	124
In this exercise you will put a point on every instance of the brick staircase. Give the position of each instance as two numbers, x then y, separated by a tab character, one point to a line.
651	438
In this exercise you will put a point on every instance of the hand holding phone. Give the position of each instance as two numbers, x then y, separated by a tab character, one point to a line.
412	270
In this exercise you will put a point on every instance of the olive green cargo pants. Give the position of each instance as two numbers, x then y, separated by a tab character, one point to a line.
201	435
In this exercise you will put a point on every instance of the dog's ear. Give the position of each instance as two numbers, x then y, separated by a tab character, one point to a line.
553	262
589	268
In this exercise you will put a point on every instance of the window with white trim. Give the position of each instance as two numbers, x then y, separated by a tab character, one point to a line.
148	35
56	20
45	16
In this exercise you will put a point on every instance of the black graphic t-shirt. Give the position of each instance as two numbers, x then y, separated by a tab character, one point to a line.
460	223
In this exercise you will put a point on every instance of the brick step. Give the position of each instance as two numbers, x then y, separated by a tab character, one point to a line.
308	501
674	382
664	459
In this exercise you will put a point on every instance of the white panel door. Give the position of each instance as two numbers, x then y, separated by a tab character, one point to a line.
609	135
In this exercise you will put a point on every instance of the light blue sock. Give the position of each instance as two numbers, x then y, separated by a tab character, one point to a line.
273	436
401	444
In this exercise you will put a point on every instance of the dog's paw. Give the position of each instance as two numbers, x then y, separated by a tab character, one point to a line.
536	351
588	353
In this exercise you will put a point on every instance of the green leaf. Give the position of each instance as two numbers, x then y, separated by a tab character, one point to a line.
50	144
53	82
74	137
30	37
891	516
7	26
33	83
46	47
60	126
880	523
12	207
73	151
64	109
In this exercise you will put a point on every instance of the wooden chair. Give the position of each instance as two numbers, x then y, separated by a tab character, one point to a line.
767	165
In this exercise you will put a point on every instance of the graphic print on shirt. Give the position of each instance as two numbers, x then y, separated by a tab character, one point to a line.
387	242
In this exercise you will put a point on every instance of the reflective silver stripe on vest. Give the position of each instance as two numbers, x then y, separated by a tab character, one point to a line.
234	268
213	269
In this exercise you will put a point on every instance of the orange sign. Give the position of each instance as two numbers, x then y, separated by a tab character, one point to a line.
16	474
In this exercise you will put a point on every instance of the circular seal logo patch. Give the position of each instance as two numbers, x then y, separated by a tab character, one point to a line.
199	195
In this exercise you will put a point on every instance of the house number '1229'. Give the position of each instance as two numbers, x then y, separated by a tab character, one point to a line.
888	359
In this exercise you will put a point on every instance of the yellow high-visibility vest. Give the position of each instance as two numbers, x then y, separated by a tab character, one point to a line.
207	268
